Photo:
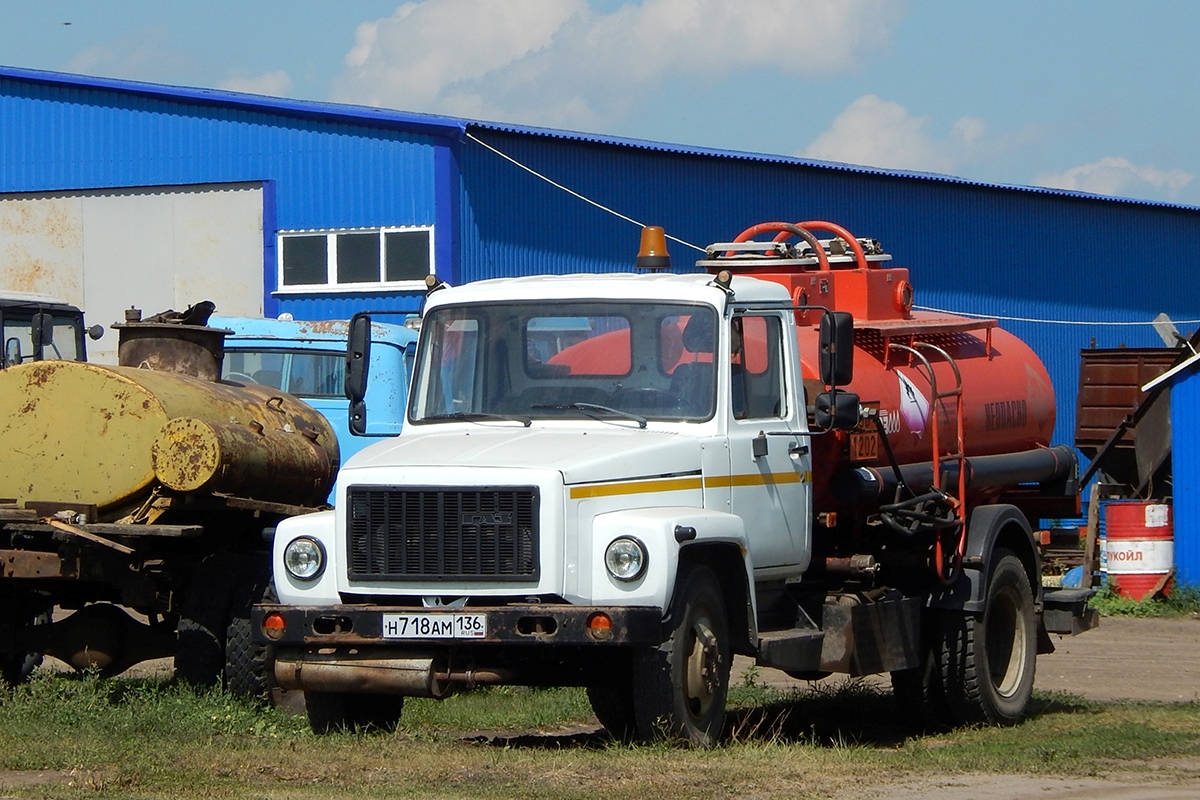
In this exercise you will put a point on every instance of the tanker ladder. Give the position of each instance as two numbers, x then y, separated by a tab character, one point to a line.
937	510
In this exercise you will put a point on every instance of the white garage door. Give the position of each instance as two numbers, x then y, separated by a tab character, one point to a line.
152	248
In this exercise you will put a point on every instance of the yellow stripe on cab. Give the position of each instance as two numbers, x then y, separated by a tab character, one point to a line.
684	484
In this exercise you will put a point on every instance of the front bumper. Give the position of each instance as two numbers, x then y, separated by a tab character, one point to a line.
343	648
533	624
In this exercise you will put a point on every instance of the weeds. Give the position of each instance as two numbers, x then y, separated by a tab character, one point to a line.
134	738
1183	601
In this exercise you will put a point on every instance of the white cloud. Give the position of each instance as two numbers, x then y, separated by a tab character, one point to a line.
565	62
275	84
144	54
1118	176
881	133
437	52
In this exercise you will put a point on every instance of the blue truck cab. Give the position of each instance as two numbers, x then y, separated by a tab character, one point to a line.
308	360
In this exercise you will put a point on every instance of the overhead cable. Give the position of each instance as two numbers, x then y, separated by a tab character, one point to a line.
574	193
633	221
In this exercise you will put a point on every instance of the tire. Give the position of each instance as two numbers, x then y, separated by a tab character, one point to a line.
330	712
613	707
204	618
249	667
679	688
25	611
988	661
918	692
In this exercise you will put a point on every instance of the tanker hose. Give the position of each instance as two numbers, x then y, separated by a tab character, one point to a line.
930	511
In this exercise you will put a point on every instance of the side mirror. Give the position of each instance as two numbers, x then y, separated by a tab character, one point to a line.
42	332
358	359
837	348
836	411
95	332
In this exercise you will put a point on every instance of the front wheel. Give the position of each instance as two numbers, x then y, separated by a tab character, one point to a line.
330	712
988	661
613	707
679	688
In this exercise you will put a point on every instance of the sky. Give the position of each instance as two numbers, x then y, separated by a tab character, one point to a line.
1088	95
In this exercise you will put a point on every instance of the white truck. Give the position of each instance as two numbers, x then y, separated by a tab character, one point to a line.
621	481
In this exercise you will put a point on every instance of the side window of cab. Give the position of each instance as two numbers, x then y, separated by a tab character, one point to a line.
756	367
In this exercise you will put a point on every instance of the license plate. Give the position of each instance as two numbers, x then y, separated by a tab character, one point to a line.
439	625
864	446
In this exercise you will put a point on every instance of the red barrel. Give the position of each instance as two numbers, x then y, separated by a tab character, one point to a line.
1141	546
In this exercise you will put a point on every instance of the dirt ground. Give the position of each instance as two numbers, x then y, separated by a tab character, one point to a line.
1124	658
1134	659
1137	659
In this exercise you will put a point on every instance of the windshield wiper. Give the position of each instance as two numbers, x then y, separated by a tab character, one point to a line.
591	409
478	416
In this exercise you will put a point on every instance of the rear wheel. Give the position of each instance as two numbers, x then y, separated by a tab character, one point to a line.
23	611
988	661
249	666
918	692
330	712
204	618
679	688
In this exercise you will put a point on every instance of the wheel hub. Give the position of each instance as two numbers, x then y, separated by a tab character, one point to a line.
703	668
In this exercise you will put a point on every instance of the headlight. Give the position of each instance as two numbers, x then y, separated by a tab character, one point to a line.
626	559
304	558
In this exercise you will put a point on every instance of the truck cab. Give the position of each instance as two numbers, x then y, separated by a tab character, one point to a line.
307	359
34	327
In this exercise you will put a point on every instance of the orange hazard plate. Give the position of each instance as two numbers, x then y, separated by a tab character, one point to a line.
864	446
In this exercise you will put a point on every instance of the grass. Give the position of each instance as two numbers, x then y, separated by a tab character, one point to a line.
142	738
1183	601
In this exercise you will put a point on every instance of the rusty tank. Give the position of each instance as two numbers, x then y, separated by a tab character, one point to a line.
106	437
151	486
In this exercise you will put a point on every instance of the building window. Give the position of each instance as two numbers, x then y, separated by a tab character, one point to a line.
354	259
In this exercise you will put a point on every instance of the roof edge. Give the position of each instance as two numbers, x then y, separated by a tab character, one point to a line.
455	128
451	127
840	166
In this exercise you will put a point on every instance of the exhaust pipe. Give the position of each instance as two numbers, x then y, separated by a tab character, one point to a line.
411	675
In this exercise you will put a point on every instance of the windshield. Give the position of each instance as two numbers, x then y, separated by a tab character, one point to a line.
16	328
610	360
305	373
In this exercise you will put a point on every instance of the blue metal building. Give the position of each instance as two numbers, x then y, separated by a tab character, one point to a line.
340	180
1185	439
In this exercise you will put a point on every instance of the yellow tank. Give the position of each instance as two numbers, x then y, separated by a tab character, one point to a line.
106	436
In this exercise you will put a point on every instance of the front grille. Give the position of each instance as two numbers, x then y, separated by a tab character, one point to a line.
414	534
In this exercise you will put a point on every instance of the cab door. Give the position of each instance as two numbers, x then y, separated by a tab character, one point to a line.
770	459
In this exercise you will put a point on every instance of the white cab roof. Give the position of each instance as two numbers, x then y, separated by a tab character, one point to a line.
697	288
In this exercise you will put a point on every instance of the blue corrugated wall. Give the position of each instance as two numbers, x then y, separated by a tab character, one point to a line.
1005	252
322	173
970	248
1185	440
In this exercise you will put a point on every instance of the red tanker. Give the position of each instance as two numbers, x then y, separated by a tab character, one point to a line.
959	387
